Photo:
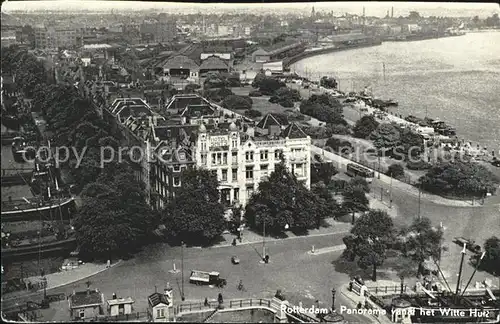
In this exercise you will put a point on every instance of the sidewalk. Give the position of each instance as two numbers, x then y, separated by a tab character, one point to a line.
63	278
250	237
396	184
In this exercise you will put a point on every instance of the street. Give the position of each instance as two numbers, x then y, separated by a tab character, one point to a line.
300	276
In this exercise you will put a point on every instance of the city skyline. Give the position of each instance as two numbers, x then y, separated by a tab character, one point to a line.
371	8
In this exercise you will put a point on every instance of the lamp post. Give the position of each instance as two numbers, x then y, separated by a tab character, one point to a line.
182	271
263	239
390	192
334	291
378	165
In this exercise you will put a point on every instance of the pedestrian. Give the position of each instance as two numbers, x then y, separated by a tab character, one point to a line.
206	302
220	299
234	242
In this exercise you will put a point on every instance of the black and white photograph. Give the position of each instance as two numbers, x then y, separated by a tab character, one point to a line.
252	162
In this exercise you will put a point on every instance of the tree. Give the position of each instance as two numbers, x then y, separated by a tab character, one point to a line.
258	80
191	88
422	241
282	200
355	200
195	215
285	97
339	146
385	137
324	108
365	126
410	145
359	183
329	83
396	170
368	239
322	172
215	80
459	178
114	218
491	260
234	102
269	85
252	113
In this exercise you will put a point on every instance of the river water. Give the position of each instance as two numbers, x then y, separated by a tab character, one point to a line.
455	79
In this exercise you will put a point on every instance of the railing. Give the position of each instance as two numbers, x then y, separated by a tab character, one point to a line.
270	143
249	303
396	289
234	304
117	318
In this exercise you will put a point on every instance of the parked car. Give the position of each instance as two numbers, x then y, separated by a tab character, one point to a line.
235	260
207	278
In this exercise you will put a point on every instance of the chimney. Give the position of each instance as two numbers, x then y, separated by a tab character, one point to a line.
392	12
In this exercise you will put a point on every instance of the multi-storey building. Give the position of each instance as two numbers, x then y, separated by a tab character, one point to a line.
199	133
158	31
55	37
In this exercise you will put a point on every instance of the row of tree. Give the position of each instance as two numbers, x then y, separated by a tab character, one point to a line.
26	69
324	108
277	90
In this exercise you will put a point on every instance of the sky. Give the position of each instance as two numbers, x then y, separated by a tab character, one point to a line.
373	8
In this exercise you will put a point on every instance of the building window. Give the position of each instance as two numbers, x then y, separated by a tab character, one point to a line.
177	168
214	173
177	182
82	313
249	192
234	173
219	158
299	170
204	159
277	154
224	158
160	313
263	155
203	146
235	143
264	169
249	156
224	175
234	157
214	159
249	172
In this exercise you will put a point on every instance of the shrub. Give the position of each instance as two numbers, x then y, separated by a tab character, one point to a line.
418	165
339	146
339	129
235	102
255	93
252	113
396	170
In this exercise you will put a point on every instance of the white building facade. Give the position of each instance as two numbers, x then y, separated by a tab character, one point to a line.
241	161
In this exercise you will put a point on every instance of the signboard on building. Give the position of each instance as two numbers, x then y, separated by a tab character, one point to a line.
218	141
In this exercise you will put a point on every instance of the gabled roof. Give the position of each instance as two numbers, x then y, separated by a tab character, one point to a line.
213	63
180	102
180	62
293	131
86	298
260	51
198	111
272	120
156	299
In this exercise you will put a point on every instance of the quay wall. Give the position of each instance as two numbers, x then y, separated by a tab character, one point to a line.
335	48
